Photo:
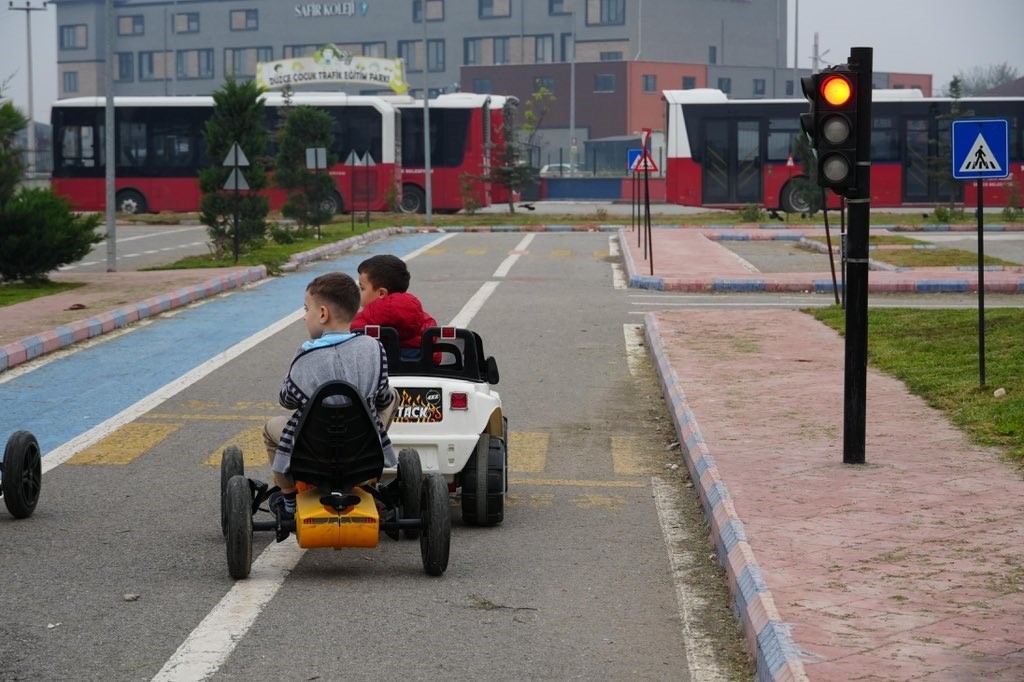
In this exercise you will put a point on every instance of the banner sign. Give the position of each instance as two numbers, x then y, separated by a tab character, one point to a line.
332	65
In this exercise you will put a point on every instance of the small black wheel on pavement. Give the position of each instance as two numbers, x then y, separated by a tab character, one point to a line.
410	486
484	482
436	539
231	465
239	527
21	474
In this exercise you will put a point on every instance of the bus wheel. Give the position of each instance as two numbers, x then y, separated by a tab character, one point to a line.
333	204
793	200
130	201
413	200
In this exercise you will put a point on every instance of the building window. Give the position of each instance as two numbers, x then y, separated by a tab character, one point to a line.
186	22
559	7
471	51
482	86
70	81
650	83
789	88
604	82
153	66
494	9
245	20
544	82
291	51
606	12
759	87
611	56
74	37
195	64
241	61
133	25
689	82
125	67
544	49
501	51
712	54
407	52
725	85
435	55
375	50
435	10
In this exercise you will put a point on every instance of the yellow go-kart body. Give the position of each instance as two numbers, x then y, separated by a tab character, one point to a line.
317	525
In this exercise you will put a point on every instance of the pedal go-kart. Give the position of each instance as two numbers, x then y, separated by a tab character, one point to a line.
337	459
450	414
21	474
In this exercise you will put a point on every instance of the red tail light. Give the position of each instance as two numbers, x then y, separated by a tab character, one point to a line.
459	401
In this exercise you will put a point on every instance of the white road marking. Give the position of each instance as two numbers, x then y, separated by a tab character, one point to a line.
700	657
619	280
636	351
518	251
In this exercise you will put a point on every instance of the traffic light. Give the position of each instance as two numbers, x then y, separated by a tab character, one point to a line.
832	125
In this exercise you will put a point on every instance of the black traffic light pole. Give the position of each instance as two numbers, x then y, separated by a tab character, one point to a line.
855	285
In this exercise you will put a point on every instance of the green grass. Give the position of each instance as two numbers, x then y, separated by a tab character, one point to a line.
935	353
17	292
875	239
932	258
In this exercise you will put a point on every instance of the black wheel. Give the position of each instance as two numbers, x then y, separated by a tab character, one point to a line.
414	200
484	483
410	487
231	465
436	539
21	474
332	204
793	200
239	527
130	201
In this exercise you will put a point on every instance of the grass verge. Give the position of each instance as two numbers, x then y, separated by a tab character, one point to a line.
935	353
17	292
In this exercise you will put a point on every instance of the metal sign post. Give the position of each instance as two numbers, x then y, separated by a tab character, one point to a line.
316	160
981	151
236	181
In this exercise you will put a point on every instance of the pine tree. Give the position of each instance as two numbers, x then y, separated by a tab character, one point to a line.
312	197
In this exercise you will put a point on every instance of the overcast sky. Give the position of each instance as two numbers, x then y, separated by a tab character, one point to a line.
940	37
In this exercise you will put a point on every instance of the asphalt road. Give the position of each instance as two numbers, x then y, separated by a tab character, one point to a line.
601	569
139	246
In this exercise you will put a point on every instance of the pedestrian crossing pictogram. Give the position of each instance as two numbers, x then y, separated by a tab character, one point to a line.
979	158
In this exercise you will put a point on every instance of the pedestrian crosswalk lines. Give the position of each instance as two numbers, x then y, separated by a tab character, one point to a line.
483	251
529	452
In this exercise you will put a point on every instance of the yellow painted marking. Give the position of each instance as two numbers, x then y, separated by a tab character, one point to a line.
532	500
561	253
527	452
475	251
126	444
212	417
571	483
254	452
436	251
600	255
626	456
599	501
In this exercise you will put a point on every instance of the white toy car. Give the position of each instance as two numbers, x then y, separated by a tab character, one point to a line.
450	413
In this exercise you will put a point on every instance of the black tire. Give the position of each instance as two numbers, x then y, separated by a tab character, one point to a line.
21	474
792	200
410	487
333	204
239	533
130	201
436	539
414	200
484	481
231	465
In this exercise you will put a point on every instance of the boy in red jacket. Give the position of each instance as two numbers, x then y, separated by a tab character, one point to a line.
385	300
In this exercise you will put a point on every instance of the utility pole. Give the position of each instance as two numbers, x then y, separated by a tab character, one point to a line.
108	142
427	184
28	9
572	97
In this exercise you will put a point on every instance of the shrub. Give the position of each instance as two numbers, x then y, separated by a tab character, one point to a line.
39	233
751	213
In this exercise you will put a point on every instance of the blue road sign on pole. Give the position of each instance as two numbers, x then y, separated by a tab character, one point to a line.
632	157
980	149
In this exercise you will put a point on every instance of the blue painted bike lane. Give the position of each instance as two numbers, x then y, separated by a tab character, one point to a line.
66	397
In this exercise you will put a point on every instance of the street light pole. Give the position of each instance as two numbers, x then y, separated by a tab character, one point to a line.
427	184
28	9
572	97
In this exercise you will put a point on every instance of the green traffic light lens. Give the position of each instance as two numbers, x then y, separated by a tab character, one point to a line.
835	168
835	129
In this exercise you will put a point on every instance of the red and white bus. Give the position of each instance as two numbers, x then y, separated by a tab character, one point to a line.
724	152
467	138
160	149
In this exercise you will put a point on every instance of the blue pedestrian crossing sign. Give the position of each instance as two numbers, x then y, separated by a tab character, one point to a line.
980	149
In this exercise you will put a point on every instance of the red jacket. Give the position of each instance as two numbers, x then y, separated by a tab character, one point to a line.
403	311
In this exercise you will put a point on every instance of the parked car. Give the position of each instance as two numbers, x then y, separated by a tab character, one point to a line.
557	169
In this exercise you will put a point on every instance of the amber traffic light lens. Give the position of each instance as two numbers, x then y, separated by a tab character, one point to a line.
836	90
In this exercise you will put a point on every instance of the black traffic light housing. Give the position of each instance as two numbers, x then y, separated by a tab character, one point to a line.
831	125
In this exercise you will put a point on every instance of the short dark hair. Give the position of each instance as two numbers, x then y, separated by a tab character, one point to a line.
386	271
338	290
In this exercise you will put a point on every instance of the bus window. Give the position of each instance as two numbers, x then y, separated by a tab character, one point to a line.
885	139
131	144
78	147
172	145
781	138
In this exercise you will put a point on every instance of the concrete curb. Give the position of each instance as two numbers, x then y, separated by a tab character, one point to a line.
18	352
776	656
